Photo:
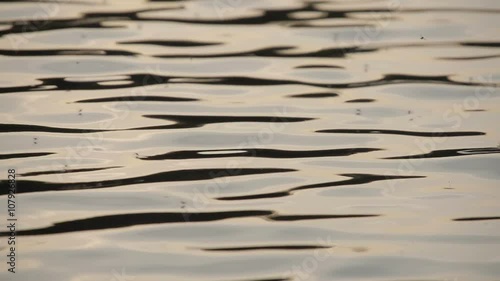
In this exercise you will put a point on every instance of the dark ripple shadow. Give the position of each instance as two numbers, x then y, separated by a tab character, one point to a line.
316	217
267	17
274	16
474	110
256	196
137	99
285	16
24	155
55	24
25	186
266	248
66	52
320	66
126	220
470	58
193	121
451	153
181	122
403	133
481	44
277	52
315	95
87	20
477	219
64	171
11	128
360	101
61	83
355	179
141	79
315	26
388	79
257	152
265	52
393	45
172	43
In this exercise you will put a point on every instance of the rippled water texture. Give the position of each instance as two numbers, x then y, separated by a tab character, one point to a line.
251	140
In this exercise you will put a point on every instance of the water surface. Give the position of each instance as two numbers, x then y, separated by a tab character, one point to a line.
252	140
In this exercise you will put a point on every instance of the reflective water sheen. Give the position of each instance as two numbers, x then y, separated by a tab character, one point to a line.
251	140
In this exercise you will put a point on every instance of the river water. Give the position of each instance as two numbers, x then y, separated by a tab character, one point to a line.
240	140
